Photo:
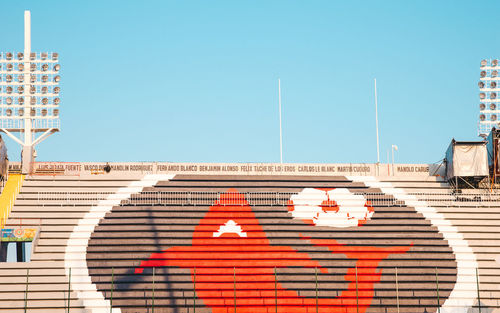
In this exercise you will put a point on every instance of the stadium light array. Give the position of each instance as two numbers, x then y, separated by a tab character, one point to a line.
29	95
489	97
37	88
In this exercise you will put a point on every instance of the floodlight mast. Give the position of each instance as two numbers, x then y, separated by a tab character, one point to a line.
27	152
489	106
37	109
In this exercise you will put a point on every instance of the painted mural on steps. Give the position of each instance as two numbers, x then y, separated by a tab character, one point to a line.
317	254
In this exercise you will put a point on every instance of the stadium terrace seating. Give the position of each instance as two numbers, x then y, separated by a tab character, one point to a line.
220	243
476	216
59	207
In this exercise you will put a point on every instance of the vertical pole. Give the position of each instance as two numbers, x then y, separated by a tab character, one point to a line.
281	131
112	288
194	290
27	148
26	291
478	295
437	291
316	275
388	160
69	289
397	290
376	122
234	285
392	149
153	293
357	297
275	290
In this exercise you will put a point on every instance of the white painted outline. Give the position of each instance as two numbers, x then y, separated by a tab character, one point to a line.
94	301
460	299
76	248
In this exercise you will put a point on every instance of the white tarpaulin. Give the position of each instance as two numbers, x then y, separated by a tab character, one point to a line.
466	159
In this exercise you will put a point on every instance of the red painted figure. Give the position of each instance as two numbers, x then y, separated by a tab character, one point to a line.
231	251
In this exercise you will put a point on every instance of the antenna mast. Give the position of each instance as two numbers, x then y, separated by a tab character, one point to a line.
376	122
281	131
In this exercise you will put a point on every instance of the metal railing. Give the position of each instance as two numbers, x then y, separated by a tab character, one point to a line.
275	300
263	198
209	198
282	198
71	197
458	199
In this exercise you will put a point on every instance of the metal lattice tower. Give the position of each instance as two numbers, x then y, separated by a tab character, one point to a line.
29	96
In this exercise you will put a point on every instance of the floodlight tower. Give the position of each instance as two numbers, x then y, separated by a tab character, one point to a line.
488	95
29	96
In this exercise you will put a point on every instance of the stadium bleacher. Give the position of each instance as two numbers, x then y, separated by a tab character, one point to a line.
253	243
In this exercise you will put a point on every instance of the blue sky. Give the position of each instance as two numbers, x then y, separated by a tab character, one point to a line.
196	81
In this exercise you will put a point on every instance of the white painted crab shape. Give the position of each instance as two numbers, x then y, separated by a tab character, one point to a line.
230	227
335	207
